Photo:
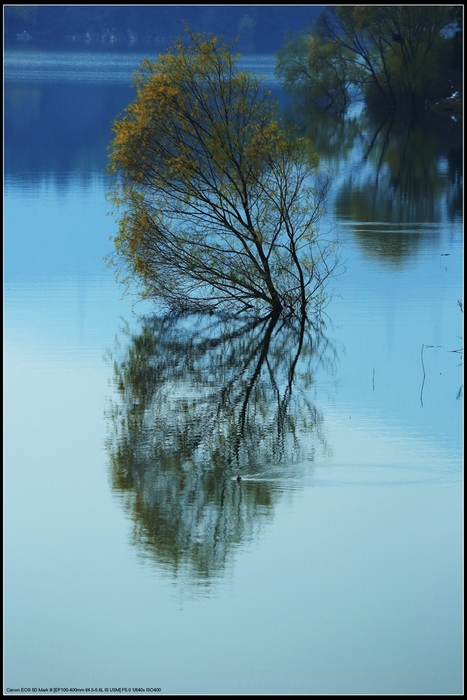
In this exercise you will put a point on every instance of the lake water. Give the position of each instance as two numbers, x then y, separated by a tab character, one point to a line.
133	557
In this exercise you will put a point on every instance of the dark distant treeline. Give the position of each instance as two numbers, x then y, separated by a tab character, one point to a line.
260	27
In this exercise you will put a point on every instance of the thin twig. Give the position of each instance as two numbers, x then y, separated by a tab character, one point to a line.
424	375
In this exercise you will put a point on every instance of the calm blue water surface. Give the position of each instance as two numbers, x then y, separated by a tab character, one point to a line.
340	570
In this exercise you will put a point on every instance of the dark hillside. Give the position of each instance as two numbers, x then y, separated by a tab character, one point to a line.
261	28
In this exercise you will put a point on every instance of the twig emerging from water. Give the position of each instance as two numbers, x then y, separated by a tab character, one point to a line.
373	378
424	376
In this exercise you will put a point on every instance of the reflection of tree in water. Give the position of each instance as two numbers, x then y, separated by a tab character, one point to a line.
330	135
406	169
395	175
406	186
200	402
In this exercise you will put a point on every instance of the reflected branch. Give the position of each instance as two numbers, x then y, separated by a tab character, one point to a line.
200	400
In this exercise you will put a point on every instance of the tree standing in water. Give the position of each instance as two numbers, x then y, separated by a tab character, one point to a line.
395	56
217	206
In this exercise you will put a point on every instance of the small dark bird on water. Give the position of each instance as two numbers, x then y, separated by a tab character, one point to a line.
239	478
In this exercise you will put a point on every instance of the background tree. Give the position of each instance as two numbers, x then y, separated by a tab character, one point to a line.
312	70
395	55
217	206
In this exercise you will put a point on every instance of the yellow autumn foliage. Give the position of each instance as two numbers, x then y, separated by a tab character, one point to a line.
215	202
